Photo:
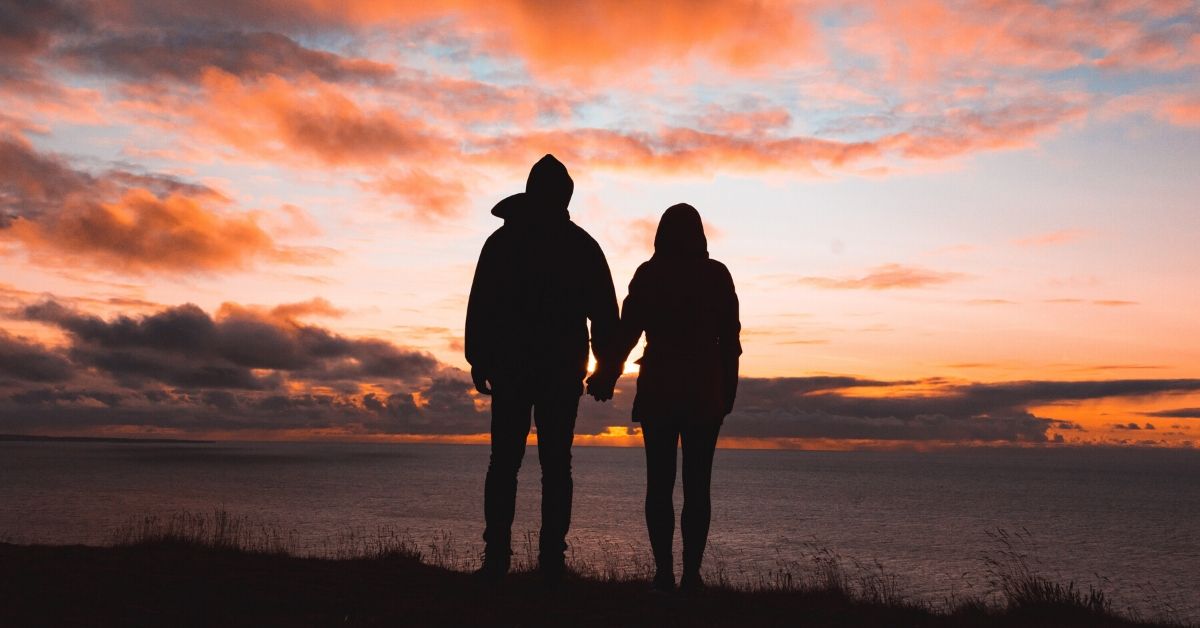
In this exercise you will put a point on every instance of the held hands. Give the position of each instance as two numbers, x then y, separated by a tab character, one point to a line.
602	382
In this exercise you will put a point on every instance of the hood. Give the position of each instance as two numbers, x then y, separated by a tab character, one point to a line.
547	194
680	234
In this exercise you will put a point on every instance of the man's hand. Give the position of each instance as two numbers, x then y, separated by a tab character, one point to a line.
600	388
481	381
602	382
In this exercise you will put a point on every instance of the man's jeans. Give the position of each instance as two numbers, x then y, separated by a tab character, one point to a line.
554	414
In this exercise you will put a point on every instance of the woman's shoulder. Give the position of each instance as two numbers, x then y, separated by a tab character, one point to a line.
655	266
647	268
657	273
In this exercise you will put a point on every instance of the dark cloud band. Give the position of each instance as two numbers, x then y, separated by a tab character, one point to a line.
262	369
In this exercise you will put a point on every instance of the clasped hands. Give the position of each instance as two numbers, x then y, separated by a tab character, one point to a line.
600	384
603	380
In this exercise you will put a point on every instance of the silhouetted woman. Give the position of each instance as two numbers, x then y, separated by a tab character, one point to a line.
686	305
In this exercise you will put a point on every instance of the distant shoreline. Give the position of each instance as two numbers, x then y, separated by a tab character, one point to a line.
19	438
786	450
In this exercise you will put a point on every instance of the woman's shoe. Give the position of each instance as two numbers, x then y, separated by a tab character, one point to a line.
664	582
691	582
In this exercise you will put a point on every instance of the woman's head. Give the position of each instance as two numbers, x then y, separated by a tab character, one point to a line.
680	233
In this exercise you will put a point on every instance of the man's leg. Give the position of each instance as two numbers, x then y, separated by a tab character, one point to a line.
510	427
555	418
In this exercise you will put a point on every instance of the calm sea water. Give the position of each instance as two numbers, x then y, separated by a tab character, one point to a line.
1128	520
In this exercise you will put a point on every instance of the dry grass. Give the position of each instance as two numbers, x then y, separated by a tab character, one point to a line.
1017	587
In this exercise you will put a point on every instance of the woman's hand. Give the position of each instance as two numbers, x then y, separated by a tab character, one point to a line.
602	382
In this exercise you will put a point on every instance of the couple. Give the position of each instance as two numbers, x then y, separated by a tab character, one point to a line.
539	280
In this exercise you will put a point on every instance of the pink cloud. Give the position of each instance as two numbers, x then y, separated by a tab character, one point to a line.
925	41
1052	238
886	277
1174	107
747	122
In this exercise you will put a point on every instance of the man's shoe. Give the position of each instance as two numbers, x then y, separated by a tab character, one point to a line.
553	570
493	569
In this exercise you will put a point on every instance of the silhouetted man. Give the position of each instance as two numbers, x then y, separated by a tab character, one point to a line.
539	279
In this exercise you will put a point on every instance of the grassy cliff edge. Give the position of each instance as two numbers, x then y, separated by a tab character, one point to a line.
216	570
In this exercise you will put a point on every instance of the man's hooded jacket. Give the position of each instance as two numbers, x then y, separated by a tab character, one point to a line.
539	279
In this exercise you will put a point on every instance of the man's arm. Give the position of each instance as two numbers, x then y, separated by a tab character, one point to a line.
602	311
479	343
629	330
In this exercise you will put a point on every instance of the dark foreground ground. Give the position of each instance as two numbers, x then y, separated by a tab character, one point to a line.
181	584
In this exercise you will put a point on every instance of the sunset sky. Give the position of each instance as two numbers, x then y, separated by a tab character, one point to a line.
949	222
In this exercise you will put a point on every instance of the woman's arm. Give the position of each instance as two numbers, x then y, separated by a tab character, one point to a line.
633	317
729	340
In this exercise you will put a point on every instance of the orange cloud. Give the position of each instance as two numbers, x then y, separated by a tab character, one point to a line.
571	41
308	122
561	38
428	196
143	232
249	84
122	220
912	39
276	118
313	307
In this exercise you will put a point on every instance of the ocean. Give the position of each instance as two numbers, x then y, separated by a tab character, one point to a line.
1126	520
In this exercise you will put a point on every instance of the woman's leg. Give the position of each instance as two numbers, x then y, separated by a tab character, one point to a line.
661	444
699	444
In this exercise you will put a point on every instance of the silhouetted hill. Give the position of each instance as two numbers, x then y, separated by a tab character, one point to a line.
176	583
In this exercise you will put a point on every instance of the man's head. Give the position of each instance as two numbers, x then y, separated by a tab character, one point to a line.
549	185
547	194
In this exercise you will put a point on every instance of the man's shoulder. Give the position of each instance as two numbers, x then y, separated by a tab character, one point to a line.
720	272
502	234
580	236
717	266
